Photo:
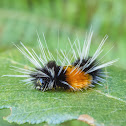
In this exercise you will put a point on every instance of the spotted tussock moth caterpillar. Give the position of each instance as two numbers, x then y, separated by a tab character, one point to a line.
83	73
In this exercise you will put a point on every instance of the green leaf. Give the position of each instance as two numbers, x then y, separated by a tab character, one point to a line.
105	104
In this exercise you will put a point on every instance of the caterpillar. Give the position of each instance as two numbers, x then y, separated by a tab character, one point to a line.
84	72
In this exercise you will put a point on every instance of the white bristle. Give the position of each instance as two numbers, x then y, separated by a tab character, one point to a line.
102	66
76	52
16	76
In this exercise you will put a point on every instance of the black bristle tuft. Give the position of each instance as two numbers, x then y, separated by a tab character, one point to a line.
50	68
83	62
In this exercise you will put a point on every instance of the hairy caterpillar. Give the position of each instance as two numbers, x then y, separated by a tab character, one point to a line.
83	73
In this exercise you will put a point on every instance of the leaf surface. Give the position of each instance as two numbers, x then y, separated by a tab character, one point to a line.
105	104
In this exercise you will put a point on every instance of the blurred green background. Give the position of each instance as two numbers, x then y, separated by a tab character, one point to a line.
20	19
58	19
